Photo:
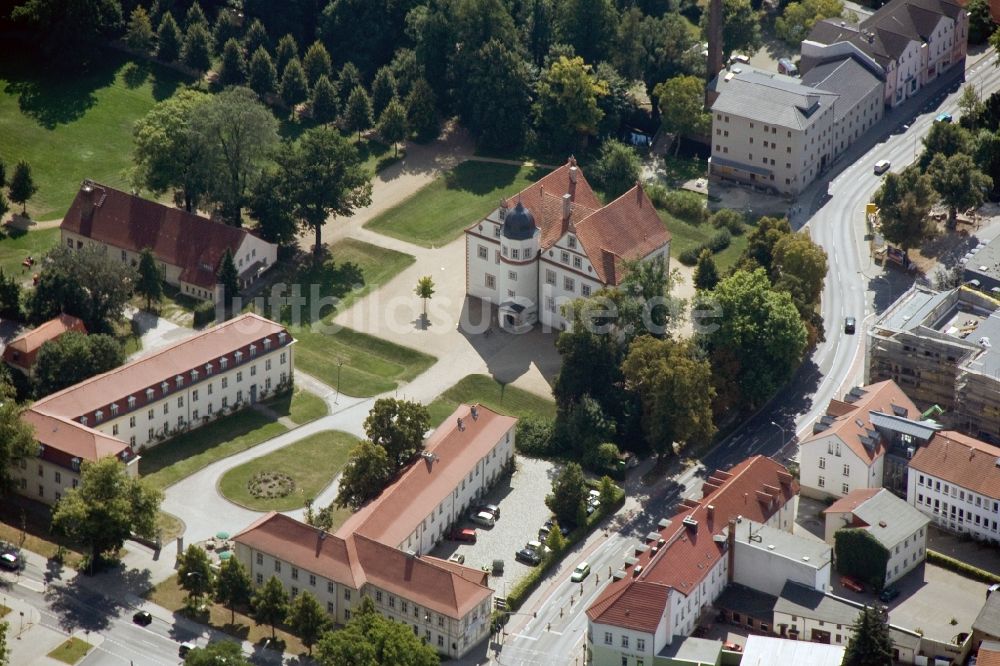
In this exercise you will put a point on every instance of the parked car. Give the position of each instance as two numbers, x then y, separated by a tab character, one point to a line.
537	546
458	558
466	534
943	118
851	584
484	519
10	561
888	594
732	647
186	647
787	67
881	167
582	571
142	618
849	325
547	527
491	509
528	556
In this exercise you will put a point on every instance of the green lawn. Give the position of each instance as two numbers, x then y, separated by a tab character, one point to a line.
370	365
74	126
685	235
4	610
71	651
312	463
301	407
440	211
491	393
17	245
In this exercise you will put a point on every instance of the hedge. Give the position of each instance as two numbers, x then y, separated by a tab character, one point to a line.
204	314
961	568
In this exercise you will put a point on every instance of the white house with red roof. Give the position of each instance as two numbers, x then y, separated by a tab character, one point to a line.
151	399
188	248
21	352
554	242
668	582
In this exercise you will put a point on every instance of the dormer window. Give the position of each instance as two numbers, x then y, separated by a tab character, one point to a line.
179	381
150	394
83	420
267	343
239	356
164	387
223	362
208	368
253	350
131	401
194	375
114	409
75	462
281	337
571	241
99	415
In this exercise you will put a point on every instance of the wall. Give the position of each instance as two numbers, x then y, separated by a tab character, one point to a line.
834	454
478	267
640	645
936	499
906	555
46	482
565	273
768	571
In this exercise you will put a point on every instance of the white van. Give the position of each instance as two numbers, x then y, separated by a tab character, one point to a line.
881	167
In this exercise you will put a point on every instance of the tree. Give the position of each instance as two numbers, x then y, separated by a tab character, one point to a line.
740	27
796	255
256	37
168	39
495	72
618	168
424	290
762	331
349	79
706	275
323	176
383	90
4	651
217	653
369	639
608	492
233	70
227	26
581	428
263	76
317	63
870	643
195	575
139	34
859	554
324	101
308	619
959	183
294	88
22	185
904	201
17	437
569	489
799	17
168	154
229	279
421	111
398	426
682	107
233	586
241	134
67	33
82	283
287	49
566	105
674	384
108	507
981	25
944	139
364	476
197	50
358	112
554	542
759	252
10	296
4	206
589	26
971	105
72	358
392	125
270	604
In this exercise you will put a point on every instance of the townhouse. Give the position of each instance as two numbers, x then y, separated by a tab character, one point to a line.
22	352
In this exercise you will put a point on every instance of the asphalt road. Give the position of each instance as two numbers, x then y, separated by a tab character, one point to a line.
833	213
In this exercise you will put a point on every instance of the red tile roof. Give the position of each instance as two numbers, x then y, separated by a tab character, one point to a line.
394	515
73	439
851	420
176	237
852	500
961	460
445	588
756	489
989	654
22	350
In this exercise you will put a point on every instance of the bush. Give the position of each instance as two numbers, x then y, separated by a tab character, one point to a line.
726	218
719	241
204	314
657	193
690	257
534	436
961	568
687	206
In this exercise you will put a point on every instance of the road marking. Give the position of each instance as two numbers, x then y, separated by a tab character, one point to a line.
525	637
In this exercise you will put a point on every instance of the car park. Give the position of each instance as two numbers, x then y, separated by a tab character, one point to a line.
466	534
484	519
881	167
10	561
142	618
888	594
582	571
851	584
849	325
528	556
457	558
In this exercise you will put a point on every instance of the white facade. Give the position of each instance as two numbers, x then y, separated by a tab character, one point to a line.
687	609
46	481
953	507
766	567
828	467
906	555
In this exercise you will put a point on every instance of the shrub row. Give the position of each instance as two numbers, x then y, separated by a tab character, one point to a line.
961	568
204	314
717	242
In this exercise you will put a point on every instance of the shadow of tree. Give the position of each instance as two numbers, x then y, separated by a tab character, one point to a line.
484	177
53	97
79	605
135	74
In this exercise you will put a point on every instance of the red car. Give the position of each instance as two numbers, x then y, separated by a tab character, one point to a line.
852	584
465	534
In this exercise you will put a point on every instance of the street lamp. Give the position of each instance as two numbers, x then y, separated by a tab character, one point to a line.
340	365
782	433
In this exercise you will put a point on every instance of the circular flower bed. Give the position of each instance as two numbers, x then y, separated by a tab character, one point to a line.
271	485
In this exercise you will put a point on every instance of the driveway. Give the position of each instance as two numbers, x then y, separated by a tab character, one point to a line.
156	332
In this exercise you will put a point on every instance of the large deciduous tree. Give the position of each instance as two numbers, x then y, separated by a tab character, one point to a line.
398	426
799	18
740	27
73	357
233	586
870	643
682	107
797	256
195	575
421	110
569	490
108	507
904	202
68	33
324	101
567	101
17	437
618	168
589	26
358	111
674	383
384	90
217	653
364	476
706	273
945	139
308	620
370	639
392	126
959	184
270	604
495	103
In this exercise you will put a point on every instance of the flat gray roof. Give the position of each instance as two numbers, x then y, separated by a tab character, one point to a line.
798	599
694	650
770	650
912	308
988	620
807	551
986	361
890	519
769	97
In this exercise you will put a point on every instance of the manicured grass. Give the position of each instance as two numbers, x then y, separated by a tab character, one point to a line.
370	365
21	518
685	235
71	651
312	463
172	306
170	461
439	212
17	245
170	595
301	407
169	526
74	126
491	393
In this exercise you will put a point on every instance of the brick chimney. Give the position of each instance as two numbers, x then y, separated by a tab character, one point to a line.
715	22
731	555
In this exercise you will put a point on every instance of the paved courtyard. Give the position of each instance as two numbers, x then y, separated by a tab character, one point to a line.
521	499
